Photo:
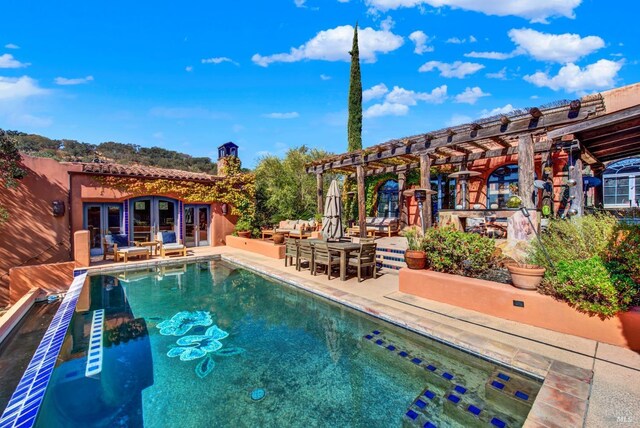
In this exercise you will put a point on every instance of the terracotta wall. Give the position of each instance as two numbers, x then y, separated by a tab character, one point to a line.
33	235
51	278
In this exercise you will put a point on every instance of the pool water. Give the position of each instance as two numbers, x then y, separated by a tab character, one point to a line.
212	344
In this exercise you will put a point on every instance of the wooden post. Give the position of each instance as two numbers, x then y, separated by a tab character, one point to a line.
402	203
526	171
425	183
362	215
578	190
320	196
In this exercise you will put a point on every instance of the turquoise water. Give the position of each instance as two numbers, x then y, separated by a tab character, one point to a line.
190	345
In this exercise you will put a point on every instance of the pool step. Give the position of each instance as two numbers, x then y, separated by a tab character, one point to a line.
391	259
94	356
511	391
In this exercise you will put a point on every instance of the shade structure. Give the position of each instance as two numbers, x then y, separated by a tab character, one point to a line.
332	218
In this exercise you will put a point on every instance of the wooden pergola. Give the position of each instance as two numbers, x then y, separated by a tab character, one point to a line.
524	132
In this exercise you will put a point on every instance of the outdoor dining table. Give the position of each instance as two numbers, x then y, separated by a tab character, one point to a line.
344	248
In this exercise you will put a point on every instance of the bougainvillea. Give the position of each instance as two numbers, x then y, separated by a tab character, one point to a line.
237	190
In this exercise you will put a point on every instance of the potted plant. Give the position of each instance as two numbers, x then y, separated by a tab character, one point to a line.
524	275
414	256
243	227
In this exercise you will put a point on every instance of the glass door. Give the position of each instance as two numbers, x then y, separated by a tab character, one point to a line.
197	222
152	215
142	226
100	219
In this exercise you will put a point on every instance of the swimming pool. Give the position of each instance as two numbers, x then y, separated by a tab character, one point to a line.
213	344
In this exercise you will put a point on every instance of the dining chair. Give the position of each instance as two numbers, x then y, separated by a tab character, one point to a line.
322	255
291	252
305	252
364	258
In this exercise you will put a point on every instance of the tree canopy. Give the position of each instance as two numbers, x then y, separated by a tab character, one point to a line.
283	189
10	169
354	124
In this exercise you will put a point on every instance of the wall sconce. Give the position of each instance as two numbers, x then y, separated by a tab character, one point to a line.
57	208
225	209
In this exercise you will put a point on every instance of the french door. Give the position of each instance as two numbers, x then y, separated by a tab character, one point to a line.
100	219
197	221
152	215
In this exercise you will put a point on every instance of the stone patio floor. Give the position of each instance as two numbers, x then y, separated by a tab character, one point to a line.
615	391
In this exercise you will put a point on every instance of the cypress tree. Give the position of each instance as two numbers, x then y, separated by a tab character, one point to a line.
354	125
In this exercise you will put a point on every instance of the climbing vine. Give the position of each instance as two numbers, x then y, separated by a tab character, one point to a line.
237	190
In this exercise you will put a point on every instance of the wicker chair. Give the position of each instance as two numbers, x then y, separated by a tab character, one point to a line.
323	256
365	258
291	252
305	252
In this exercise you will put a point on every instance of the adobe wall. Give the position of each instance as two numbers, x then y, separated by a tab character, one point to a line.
50	278
621	98
33	235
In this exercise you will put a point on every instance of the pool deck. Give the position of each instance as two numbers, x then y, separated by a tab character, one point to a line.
614	394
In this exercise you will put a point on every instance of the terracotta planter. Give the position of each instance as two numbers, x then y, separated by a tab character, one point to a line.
415	259
526	277
244	234
278	238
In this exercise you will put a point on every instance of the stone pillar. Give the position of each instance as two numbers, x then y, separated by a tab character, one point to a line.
81	248
320	195
425	183
577	191
362	215
526	171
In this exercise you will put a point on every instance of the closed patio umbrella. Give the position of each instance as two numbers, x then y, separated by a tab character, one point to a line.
332	218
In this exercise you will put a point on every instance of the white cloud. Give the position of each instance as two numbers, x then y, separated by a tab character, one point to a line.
561	48
420	39
490	55
472	39
78	81
11	46
8	61
398	101
470	95
533	10
325	77
498	110
12	88
300	3
386	109
458	119
218	60
288	115
375	92
572	78
188	68
457	69
500	75
387	24
334	45
456	41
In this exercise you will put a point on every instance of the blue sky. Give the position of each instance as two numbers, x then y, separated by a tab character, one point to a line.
271	75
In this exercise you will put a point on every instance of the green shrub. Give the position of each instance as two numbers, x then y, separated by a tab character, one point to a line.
451	251
591	286
578	238
625	250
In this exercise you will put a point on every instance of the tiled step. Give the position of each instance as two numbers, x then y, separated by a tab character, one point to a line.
510	391
391	259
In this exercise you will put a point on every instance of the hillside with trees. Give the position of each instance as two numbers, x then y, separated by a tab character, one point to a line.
76	151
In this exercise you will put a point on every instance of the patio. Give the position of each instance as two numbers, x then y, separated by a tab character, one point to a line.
616	371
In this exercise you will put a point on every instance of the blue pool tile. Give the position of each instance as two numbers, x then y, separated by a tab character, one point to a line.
447	376
497	385
429	425
391	348
368	337
453	398
429	394
421	404
412	415
376	332
521	395
498	423
416	361
460	389
379	342
473	409
402	354
431	368
504	377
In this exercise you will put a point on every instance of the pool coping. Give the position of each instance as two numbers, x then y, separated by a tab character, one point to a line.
562	400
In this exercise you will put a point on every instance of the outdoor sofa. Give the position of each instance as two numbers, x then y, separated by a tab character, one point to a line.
383	225
296	228
121	247
170	244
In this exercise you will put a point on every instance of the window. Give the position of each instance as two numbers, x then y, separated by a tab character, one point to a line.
501	185
621	184
388	199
